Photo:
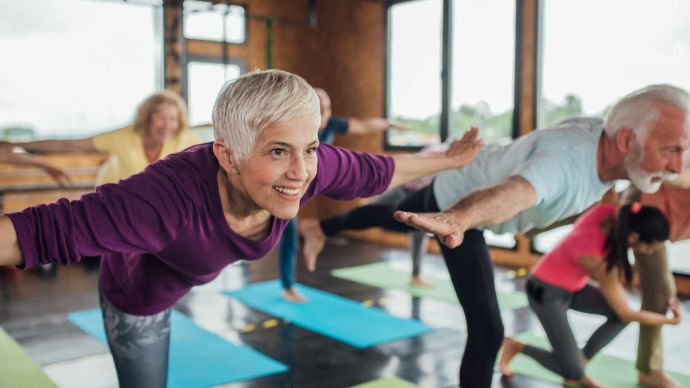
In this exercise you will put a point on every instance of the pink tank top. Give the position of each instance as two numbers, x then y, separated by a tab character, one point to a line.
561	267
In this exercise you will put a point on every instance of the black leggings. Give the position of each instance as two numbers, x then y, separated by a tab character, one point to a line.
470	270
381	215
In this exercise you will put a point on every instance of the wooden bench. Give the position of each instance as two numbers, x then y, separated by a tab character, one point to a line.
21	186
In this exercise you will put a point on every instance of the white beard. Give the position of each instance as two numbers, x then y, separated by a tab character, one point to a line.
640	178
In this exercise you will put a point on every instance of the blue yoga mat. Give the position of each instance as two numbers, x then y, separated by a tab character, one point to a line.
197	358
330	315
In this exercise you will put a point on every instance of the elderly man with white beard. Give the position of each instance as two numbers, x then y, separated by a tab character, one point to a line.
559	172
539	179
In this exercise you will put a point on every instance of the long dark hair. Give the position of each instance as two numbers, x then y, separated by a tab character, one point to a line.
647	221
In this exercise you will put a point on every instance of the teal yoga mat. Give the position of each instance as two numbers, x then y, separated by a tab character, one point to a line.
330	315
607	370
198	358
382	275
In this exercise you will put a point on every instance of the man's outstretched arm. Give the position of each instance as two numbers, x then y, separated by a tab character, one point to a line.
482	207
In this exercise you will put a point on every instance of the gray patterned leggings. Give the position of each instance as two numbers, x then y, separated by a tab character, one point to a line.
139	345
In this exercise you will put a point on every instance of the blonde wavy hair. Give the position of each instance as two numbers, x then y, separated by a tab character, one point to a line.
146	109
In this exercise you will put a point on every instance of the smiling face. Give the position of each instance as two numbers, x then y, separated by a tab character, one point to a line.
164	123
280	168
660	157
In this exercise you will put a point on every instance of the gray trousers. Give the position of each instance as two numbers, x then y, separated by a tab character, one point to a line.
551	304
657	287
139	345
419	241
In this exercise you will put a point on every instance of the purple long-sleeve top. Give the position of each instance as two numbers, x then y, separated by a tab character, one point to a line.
163	231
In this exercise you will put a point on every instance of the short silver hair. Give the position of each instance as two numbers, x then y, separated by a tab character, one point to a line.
246	106
641	108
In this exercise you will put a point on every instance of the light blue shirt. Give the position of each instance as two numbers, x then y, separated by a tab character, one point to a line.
560	162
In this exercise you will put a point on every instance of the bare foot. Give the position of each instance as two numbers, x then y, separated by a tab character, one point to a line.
418	281
291	295
655	380
314	240
589	383
511	347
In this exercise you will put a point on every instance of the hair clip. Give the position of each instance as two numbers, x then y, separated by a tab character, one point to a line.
635	207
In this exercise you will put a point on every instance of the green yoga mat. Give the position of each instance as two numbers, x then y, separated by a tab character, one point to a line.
383	276
391	382
607	370
17	369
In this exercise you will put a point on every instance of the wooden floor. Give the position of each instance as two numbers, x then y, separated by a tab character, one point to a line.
34	307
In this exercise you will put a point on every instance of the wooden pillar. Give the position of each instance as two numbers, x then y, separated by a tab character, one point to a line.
174	58
525	120
527	72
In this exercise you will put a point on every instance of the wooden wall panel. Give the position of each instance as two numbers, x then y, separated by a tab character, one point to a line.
343	53
350	35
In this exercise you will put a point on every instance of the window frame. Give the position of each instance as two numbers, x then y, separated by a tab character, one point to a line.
446	71
239	61
446	83
223	42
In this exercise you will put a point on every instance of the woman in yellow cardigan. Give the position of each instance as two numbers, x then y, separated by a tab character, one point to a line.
160	128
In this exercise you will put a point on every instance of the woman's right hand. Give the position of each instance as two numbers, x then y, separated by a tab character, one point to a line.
677	311
59	175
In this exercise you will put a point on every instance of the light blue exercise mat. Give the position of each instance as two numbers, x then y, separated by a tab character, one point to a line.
198	358
330	315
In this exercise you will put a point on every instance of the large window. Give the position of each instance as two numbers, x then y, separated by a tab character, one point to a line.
594	52
483	68
72	68
204	82
414	68
480	78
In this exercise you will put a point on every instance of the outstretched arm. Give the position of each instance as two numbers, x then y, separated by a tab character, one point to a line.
481	207
372	125
7	156
10	254
459	154
613	291
78	145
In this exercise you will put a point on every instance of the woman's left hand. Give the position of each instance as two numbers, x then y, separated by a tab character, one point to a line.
676	309
464	150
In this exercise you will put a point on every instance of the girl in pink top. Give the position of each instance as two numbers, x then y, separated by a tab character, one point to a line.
596	248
